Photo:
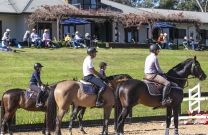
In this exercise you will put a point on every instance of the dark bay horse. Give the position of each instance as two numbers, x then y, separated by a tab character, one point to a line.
112	82
131	92
69	92
16	98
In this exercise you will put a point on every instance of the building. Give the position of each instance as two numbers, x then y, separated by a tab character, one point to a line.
14	12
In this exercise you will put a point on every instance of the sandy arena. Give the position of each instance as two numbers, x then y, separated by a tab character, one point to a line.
145	128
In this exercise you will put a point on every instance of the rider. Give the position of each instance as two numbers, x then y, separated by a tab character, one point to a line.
102	66
154	72
89	71
35	78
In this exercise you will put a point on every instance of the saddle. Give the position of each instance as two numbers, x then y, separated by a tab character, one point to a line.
88	88
31	93
154	88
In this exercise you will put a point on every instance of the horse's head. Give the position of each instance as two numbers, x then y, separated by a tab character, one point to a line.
114	80
196	70
46	88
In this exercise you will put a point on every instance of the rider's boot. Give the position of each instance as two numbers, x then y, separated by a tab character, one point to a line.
99	103
165	91
38	102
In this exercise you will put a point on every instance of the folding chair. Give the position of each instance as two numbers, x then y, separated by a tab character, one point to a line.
186	46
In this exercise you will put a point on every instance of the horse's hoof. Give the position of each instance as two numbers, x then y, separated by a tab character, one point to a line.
10	133
83	132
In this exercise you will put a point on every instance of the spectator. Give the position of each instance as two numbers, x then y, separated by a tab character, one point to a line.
46	39
35	38
160	41
77	41
6	41
87	39
94	40
167	44
77	36
27	38
68	39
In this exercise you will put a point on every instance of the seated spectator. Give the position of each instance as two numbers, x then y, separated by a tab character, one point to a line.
68	39
6	41
77	42
87	39
46	39
77	36
27	38
167	44
160	41
35	38
94	40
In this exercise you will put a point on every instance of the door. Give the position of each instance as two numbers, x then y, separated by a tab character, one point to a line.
42	26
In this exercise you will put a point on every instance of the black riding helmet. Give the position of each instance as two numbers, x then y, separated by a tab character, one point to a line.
102	64
91	50
37	65
154	47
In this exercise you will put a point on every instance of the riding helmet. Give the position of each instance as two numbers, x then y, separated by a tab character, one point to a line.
37	65
102	64
91	50
154	47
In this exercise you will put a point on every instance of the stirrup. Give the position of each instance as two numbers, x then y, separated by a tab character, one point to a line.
99	104
166	101
39	104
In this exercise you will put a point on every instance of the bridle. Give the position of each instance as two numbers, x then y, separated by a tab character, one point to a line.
185	79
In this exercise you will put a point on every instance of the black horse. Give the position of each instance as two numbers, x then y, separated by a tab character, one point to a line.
16	98
132	92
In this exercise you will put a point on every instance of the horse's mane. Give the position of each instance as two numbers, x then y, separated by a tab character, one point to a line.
119	76
180	66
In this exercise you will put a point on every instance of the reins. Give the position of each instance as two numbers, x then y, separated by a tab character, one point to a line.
185	79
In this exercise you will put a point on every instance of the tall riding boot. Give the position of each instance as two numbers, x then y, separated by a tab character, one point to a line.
38	102
98	101
165	91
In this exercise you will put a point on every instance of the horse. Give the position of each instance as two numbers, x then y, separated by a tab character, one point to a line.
132	92
68	92
112	82
16	98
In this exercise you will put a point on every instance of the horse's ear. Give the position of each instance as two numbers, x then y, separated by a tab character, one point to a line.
195	58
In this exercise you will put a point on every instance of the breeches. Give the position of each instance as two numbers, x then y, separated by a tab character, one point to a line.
157	78
35	87
97	81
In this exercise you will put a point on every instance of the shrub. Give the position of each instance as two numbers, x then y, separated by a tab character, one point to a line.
101	44
58	42
180	47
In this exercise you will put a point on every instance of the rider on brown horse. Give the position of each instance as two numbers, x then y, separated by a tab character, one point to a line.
35	78
89	71
102	66
153	71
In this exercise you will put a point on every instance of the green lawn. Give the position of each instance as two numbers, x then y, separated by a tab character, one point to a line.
66	64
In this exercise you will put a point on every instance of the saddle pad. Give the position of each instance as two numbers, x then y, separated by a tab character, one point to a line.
31	94
153	90
88	89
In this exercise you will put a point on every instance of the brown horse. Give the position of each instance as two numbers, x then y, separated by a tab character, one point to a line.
16	98
132	92
112	82
69	92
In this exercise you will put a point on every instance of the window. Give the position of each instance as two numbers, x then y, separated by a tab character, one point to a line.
206	34
131	35
68	29
181	33
0	29
85	4
42	27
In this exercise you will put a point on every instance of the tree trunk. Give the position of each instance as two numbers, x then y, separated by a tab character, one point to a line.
200	6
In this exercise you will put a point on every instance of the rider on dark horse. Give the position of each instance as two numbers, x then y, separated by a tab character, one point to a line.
35	79
89	71
102	66
153	71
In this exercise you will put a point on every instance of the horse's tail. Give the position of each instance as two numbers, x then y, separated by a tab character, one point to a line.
117	106
51	111
3	113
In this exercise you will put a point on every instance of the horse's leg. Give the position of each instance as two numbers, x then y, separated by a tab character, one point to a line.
121	120
59	117
80	117
176	112
107	112
168	119
75	110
